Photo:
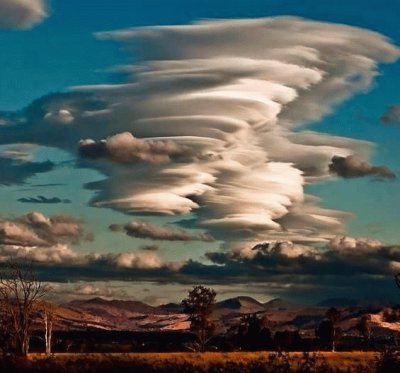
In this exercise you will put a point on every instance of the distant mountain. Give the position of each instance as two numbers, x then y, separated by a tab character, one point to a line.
280	304
171	308
137	316
99	304
240	304
130	315
74	319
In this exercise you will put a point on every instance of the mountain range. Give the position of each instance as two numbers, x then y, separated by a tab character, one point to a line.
106	314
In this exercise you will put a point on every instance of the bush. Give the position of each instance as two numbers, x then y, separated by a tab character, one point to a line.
388	361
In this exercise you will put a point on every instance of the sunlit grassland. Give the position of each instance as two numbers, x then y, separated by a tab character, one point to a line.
344	361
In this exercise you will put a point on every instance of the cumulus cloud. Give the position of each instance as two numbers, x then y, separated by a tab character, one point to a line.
61	257
341	256
126	148
392	115
353	166
145	229
141	260
56	254
351	243
45	240
15	14
237	93
35	229
345	265
62	116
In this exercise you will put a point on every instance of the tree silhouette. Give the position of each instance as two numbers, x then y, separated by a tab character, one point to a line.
199	305
327	331
333	314
364	327
19	292
254	332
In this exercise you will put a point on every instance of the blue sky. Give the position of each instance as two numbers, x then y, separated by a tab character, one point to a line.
61	51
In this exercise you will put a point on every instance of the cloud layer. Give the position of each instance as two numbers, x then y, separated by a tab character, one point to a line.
22	13
345	266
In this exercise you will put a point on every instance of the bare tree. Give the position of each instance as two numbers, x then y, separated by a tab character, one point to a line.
19	292
199	305
48	313
5	330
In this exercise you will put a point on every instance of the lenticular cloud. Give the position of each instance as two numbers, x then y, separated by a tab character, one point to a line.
237	94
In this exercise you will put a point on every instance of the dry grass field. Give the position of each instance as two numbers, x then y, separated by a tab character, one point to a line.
356	361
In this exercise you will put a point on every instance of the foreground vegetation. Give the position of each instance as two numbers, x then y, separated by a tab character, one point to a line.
212	362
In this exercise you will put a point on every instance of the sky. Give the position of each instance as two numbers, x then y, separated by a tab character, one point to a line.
146	147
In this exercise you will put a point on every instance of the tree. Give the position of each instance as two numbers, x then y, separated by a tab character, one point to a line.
5	330
287	340
199	305
325	333
19	292
334	316
364	327
327	330
254	332
48	312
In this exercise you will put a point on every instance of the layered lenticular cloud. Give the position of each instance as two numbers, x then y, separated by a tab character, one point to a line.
210	122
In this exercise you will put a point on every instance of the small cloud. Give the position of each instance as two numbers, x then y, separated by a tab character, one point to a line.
150	248
18	152
62	116
43	199
140	260
145	229
352	166
392	115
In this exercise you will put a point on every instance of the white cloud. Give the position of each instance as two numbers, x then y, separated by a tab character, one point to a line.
341	243
142	260
36	229
57	254
22	13
62	116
